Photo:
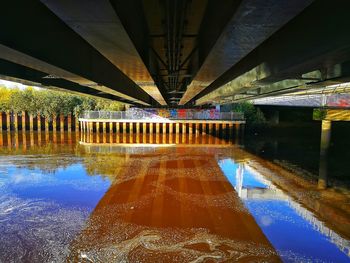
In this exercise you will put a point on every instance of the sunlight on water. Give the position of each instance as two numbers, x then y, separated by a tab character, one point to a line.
71	201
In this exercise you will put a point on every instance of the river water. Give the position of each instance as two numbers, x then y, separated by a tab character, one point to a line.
66	197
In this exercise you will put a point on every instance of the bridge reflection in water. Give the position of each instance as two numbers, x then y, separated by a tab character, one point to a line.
173	202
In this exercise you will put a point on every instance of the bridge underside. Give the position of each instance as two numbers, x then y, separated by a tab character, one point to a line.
176	53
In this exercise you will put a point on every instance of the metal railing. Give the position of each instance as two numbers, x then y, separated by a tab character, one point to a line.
144	115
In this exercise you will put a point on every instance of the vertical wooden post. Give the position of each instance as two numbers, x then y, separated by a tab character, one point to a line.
157	128
237	129
15	117
171	128
76	128
8	121
230	129
46	124
54	122
177	128
117	130
23	121
91	127
104	127
111	127
144	128
197	128
124	127
190	128
204	128
31	125
97	127
61	122
151	128
137	127
69	122
131	127
164	128
1	123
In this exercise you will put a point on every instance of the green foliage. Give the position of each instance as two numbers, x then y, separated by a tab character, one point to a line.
254	116
319	114
49	102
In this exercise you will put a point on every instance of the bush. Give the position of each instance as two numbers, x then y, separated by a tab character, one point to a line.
50	102
254	117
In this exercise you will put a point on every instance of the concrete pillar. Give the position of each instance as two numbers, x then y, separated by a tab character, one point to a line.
23	121
31	122
69	122
61	122
324	146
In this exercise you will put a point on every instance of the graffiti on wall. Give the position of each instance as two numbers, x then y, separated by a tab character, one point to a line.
177	113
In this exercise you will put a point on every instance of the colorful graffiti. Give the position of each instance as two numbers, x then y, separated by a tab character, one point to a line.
177	113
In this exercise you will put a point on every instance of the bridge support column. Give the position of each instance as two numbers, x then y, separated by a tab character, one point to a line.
324	146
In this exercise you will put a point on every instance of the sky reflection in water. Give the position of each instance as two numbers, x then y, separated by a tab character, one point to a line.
77	198
294	232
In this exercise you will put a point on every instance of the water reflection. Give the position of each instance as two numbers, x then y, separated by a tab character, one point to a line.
66	199
292	229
